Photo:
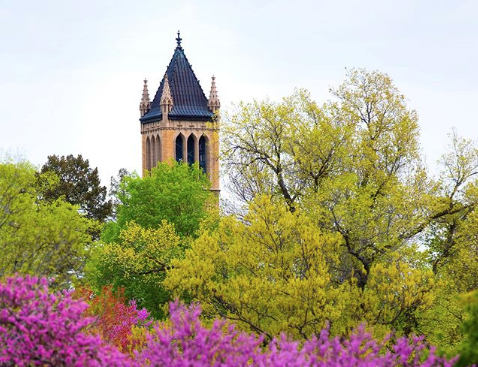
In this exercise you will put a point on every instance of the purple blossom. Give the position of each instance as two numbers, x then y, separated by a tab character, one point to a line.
188	343
38	328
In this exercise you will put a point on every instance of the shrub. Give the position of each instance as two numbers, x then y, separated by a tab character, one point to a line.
42	329
188	343
38	328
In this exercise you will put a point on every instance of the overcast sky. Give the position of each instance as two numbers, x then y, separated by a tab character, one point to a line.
71	71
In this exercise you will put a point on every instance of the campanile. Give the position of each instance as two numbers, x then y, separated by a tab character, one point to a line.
180	122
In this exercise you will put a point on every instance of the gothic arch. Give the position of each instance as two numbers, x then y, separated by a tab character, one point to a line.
203	153
158	150
180	148
148	154
153	152
191	149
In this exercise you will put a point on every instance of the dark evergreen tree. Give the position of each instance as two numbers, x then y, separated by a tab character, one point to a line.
79	184
116	190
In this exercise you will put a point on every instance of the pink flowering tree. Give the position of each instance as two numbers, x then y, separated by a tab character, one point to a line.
38	328
188	343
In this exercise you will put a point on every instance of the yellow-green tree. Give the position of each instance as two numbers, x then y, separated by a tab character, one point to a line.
137	262
268	274
274	272
452	244
38	237
282	149
156	219
353	166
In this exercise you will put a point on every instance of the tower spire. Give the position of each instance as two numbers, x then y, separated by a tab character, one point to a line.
214	104
178	40
145	103
166	102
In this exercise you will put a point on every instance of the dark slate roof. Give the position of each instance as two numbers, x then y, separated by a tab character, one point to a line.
189	101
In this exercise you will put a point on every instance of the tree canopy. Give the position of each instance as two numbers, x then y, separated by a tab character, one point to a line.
38	237
352	170
78	184
175	192
157	217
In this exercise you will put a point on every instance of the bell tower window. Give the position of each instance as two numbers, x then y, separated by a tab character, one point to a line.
202	153
179	148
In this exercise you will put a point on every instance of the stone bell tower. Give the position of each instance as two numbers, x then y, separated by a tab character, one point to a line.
181	123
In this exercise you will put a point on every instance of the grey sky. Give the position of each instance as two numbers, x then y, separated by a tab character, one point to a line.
71	71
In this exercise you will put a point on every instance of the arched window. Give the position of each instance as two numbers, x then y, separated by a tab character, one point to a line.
158	150
191	149
202	154
179	148
153	153
148	154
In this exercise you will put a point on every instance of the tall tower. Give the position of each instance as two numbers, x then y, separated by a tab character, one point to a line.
181	123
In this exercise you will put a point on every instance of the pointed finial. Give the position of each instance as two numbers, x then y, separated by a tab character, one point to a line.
145	88
145	103
166	102
179	39
214	104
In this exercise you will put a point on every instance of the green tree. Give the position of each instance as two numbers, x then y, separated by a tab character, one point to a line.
116	190
137	263
468	349
78	184
175	192
452	236
353	164
157	216
38	237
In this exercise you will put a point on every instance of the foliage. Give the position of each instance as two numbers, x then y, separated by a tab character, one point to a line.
116	190
78	184
269	275
468	348
291	148
452	239
396	293
156	218
353	166
176	192
441	323
138	262
115	317
38	237
274	273
38	328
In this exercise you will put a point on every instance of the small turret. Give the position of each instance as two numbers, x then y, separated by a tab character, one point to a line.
214	104
145	103
166	102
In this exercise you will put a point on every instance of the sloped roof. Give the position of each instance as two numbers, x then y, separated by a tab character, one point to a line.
189	100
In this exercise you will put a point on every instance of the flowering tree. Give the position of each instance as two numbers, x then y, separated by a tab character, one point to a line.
42	329
188	343
116	317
